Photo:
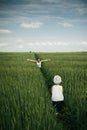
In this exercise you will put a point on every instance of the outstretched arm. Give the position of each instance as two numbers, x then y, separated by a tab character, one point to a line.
45	60
31	60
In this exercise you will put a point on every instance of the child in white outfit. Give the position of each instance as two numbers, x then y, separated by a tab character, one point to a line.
38	61
57	94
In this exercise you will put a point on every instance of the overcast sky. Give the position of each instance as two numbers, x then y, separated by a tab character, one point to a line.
43	25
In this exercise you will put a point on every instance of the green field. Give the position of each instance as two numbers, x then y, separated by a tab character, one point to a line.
25	98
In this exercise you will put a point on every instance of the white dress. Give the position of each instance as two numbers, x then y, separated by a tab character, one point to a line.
39	64
57	94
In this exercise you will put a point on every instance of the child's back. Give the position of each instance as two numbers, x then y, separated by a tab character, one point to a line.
57	93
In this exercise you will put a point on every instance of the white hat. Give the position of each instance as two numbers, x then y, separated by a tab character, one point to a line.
57	79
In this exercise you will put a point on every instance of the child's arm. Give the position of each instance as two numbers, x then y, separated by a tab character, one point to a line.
62	89
45	60
31	60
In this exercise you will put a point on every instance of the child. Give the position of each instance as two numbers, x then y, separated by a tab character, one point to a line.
57	94
38	61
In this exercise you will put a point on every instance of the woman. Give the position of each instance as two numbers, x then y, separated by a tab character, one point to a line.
38	61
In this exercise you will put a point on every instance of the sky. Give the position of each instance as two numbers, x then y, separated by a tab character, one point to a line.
43	25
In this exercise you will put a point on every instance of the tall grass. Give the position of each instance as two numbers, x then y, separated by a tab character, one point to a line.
24	99
25	103
72	67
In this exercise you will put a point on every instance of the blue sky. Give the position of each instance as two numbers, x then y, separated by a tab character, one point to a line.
43	25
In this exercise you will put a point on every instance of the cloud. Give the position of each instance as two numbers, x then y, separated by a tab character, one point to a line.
45	46
66	25
82	10
3	44
20	41
31	25
52	1
84	43
5	31
20	46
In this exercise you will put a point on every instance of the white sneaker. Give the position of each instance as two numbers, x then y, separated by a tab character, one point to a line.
57	113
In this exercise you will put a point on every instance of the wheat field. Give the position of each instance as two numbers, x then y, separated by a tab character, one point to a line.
25	97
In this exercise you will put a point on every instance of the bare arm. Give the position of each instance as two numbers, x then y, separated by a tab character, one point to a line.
31	60
62	89
45	60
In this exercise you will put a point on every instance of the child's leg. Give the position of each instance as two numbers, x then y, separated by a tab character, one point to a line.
60	106
55	105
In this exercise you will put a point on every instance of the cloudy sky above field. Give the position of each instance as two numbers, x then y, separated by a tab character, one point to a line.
43	25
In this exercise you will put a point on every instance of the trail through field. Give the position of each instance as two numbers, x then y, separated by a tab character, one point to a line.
49	82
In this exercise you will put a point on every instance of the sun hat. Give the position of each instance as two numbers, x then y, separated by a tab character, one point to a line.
57	79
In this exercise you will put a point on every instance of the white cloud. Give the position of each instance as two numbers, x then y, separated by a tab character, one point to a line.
30	44
3	44
46	46
49	43
84	43
52	1
44	43
31	25
20	41
66	24
20	46
5	31
82	11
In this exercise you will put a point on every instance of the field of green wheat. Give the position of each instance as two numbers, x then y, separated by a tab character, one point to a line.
25	97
